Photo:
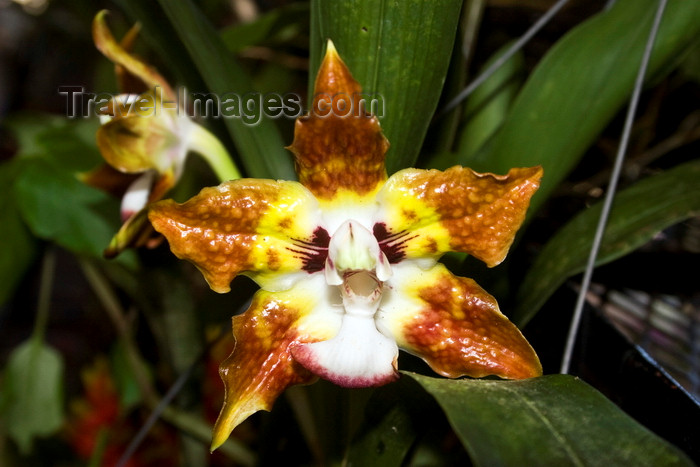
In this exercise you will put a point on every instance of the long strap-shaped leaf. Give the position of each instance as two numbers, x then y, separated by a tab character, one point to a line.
638	214
581	84
398	50
260	146
548	421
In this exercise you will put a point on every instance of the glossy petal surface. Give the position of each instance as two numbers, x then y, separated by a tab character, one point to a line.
429	212
454	325
261	366
269	230
338	147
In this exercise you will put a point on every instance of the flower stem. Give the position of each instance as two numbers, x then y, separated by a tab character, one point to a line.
114	310
183	421
298	398
44	303
210	148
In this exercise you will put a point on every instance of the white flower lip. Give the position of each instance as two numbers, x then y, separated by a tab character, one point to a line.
359	355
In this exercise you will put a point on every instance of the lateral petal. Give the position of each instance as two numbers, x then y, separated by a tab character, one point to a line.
430	212
454	325
268	230
261	366
338	147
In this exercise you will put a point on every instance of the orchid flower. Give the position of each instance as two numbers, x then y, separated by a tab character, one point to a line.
346	259
149	135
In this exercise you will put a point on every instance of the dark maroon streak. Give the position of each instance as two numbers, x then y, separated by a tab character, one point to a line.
314	252
392	245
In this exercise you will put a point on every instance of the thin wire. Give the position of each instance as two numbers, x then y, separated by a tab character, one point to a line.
155	414
612	186
167	399
486	74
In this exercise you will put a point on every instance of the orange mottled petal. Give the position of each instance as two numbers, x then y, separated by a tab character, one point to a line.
267	229
430	212
455	326
338	149
261	366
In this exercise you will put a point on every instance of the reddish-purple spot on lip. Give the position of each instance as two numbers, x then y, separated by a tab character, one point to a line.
315	251
306	357
391	244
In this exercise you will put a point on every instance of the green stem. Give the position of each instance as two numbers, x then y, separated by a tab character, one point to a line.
99	449
201	431
110	303
298	399
44	303
183	421
210	148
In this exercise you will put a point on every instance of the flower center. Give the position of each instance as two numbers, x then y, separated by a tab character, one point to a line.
356	261
361	284
359	355
361	292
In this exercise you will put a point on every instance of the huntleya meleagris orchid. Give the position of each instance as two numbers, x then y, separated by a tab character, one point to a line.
346	259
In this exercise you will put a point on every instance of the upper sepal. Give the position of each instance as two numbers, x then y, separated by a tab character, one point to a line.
338	146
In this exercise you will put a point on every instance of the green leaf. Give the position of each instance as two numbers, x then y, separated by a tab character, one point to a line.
169	55
582	82
19	246
275	26
32	393
489	105
260	144
58	207
390	426
68	143
638	213
399	52
122	371
546	421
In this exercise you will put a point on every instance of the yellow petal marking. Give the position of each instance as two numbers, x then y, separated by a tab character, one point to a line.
263	228
457	210
261	366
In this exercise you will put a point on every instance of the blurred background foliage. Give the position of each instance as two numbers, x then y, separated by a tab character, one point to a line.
89	348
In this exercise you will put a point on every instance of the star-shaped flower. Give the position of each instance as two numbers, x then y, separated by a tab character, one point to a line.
147	135
347	260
